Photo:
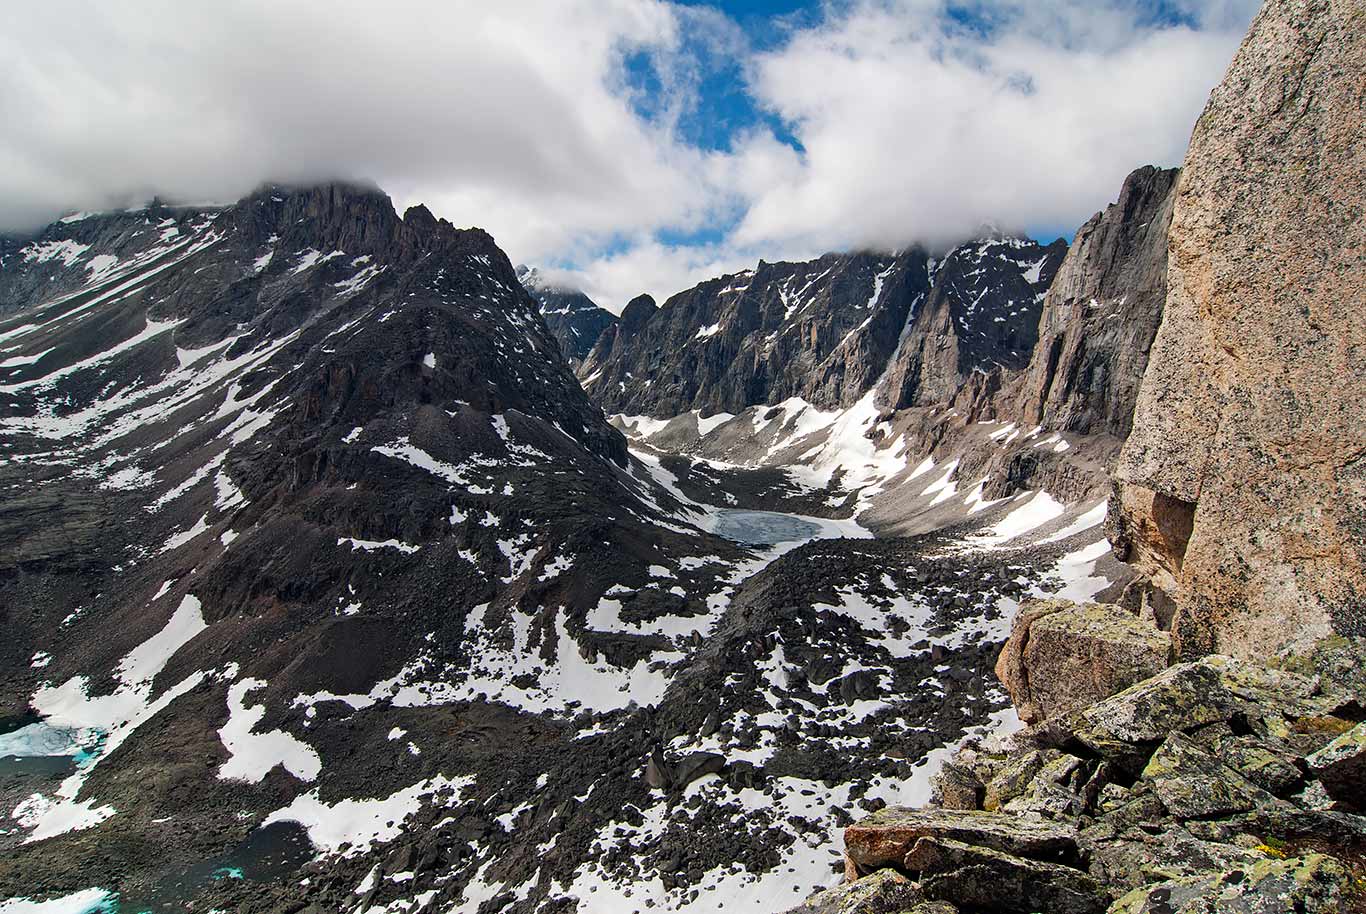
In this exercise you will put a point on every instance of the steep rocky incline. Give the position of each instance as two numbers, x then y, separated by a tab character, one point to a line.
83	249
1243	485
1101	314
573	318
826	331
981	316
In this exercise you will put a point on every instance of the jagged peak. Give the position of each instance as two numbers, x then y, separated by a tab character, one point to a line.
637	313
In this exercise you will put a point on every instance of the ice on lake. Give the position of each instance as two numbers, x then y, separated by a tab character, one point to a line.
41	740
763	528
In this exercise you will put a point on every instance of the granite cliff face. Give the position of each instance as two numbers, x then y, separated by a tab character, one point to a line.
1101	314
573	318
826	331
1242	489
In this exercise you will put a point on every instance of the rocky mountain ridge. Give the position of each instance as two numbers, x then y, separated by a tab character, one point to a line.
574	319
827	331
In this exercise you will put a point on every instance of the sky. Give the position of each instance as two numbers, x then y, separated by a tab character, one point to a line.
619	145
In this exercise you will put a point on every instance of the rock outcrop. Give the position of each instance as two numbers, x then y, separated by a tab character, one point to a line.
1185	792
1243	486
979	320
1062	656
1101	314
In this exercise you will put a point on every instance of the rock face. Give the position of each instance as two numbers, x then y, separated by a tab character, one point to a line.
1242	488
1101	314
1062	656
573	318
827	330
1312	883
979	319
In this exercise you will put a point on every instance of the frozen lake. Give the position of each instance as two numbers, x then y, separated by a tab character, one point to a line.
763	528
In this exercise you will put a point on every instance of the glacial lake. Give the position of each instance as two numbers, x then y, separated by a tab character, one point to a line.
35	756
763	528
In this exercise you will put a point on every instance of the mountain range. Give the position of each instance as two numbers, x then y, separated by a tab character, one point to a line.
345	566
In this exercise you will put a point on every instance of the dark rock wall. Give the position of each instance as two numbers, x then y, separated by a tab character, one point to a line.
1101	314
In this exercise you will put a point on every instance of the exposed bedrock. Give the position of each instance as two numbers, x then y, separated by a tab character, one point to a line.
1242	490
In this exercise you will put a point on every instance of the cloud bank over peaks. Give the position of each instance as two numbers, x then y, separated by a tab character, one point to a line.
621	145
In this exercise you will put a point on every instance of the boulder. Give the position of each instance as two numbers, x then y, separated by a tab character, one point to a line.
1062	656
883	892
1055	792
1192	784
982	878
885	837
957	787
1191	695
657	772
1341	767
1315	884
696	765
1266	762
1014	776
1136	857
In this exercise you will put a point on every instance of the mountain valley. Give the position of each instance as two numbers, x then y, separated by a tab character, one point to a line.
347	567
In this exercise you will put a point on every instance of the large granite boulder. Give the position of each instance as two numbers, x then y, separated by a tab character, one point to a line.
1242	486
1062	656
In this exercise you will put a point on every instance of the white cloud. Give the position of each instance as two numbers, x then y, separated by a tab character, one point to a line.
517	116
645	265
508	114
915	129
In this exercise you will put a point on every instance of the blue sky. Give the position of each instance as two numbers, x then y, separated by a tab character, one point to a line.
621	145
